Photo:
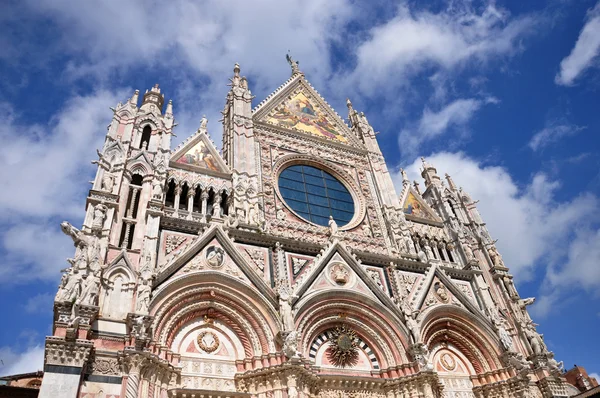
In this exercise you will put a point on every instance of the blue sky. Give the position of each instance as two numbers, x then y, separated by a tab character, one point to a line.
502	95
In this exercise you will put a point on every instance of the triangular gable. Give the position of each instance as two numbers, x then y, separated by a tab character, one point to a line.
121	261
416	209
299	108
200	251
324	272
198	153
439	289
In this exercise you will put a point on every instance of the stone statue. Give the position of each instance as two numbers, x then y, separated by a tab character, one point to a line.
143	297
99	216
413	327
517	360
203	122
535	339
333	227
157	190
285	308
70	285
91	288
554	365
422	256
139	327
294	64
290	345
505	338
404	176
495	257
108	182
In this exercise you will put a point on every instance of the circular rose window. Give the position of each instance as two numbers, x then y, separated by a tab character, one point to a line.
314	195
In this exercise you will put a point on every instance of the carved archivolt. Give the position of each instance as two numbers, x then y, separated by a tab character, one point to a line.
475	342
384	339
228	301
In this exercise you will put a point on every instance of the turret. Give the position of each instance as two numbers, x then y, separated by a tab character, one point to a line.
153	97
429	173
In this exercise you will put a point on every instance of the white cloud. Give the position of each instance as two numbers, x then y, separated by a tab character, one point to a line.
531	225
45	180
584	53
595	375
551	133
208	38
28	361
40	303
433	124
415	40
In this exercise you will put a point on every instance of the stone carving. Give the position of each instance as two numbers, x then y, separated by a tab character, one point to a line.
285	308
495	257
139	328
108	182
70	285
172	242
290	344
143	296
258	257
413	327
298	263
339	274
405	284
208	341
536	341
90	290
280	213
215	256
440	292
333	227
99	216
517	360
421	354
157	190
376	277
505	338
105	366
448	361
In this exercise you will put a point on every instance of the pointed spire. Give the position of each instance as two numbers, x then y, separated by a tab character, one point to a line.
169	110
294	64
429	173
134	97
349	105
450	183
405	179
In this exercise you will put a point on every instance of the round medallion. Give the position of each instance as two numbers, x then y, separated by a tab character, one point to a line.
214	257
208	341
448	361
339	274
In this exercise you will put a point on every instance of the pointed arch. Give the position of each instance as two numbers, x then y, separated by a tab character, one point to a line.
376	325
473	337
221	298
118	284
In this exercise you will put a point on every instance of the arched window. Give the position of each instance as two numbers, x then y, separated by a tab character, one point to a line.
170	197
183	197
131	210
146	133
224	204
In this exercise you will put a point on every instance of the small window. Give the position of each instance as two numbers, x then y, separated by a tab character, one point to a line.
146	133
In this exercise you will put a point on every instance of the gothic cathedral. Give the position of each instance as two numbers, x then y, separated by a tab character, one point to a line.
286	265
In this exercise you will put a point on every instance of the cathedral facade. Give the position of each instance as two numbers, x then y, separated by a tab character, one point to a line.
286	265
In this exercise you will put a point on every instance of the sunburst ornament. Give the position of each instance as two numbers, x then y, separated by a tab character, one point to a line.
343	349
